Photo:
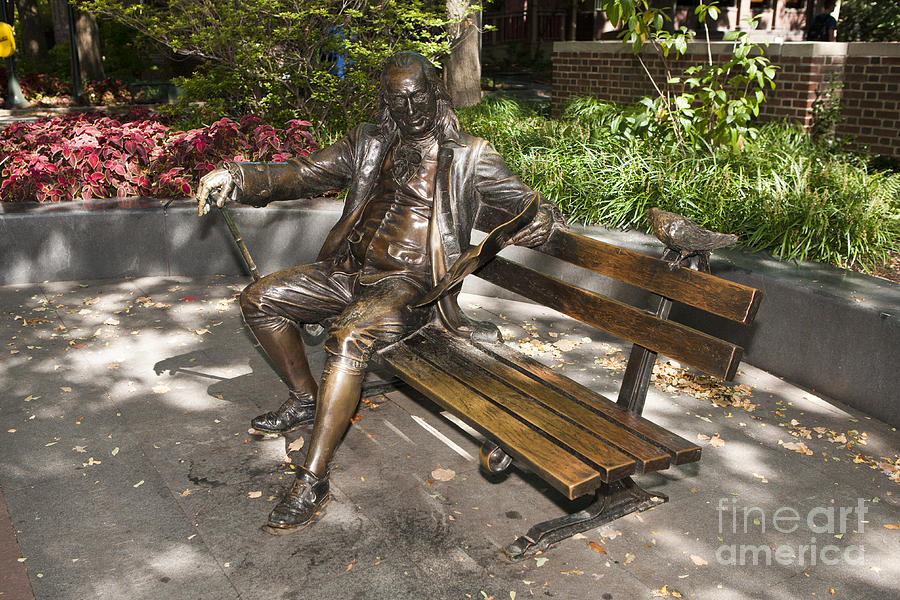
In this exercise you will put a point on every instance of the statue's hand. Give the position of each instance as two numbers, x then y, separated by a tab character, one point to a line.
538	231
216	186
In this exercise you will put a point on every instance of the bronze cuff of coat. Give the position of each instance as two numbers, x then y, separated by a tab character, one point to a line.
261	183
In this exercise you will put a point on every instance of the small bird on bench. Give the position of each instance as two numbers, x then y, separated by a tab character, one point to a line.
687	239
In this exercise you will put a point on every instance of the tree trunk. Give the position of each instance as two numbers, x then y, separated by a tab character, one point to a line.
532	26
60	11
33	43
88	38
462	69
571	33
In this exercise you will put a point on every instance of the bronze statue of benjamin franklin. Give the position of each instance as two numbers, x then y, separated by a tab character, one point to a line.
414	185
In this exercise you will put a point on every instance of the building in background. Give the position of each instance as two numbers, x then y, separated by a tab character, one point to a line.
524	30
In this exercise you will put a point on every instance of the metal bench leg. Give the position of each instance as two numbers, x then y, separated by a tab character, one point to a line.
612	501
374	387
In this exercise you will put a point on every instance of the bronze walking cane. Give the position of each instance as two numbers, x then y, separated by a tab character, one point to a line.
239	242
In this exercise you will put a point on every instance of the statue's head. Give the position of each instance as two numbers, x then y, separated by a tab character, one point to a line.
413	99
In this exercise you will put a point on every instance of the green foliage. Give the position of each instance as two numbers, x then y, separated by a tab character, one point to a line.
286	56
710	104
826	111
784	192
869	21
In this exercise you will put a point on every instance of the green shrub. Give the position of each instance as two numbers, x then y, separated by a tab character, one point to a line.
784	192
313	59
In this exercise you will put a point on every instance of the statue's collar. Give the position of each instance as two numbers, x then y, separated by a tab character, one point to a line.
448	138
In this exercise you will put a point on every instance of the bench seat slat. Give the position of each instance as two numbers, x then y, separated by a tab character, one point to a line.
682	450
463	363
726	299
649	456
566	473
699	350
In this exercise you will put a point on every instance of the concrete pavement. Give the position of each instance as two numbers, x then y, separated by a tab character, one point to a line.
128	472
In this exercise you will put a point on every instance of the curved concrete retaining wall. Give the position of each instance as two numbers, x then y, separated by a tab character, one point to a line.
831	330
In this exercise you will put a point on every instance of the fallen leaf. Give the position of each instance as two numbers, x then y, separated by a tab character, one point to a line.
65	388
698	560
295	445
185	493
540	560
160	389
112	366
79	449
441	474
256	494
139	483
597	548
629	558
115	451
892	526
350	566
798	447
10	431
356	418
89	301
761	477
716	441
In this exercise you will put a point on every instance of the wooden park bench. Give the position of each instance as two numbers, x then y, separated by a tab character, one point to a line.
575	439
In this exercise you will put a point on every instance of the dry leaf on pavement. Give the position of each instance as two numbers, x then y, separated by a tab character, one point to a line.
597	548
441	474
798	447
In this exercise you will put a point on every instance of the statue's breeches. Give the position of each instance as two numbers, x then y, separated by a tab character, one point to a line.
363	317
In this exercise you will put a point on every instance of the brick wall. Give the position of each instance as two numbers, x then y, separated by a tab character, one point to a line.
870	73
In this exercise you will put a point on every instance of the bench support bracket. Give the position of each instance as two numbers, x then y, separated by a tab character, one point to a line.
612	501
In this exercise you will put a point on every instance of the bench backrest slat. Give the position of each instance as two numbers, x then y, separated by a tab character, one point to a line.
715	295
699	350
704	291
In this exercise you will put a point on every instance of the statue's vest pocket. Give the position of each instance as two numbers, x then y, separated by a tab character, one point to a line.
405	254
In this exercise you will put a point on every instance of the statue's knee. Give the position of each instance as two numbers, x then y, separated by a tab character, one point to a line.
348	344
250	300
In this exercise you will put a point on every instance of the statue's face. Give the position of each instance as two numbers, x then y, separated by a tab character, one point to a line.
410	100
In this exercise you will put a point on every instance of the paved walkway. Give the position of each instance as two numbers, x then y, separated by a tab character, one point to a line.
128	472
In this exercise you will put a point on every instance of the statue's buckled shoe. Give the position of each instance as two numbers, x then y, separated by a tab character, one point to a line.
301	504
298	410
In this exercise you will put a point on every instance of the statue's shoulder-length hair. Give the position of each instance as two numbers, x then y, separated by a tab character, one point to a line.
446	123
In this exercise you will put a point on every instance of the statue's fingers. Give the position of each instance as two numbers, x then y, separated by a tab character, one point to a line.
224	193
202	194
206	188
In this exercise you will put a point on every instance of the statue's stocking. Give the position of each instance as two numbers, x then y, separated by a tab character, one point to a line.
286	350
337	400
